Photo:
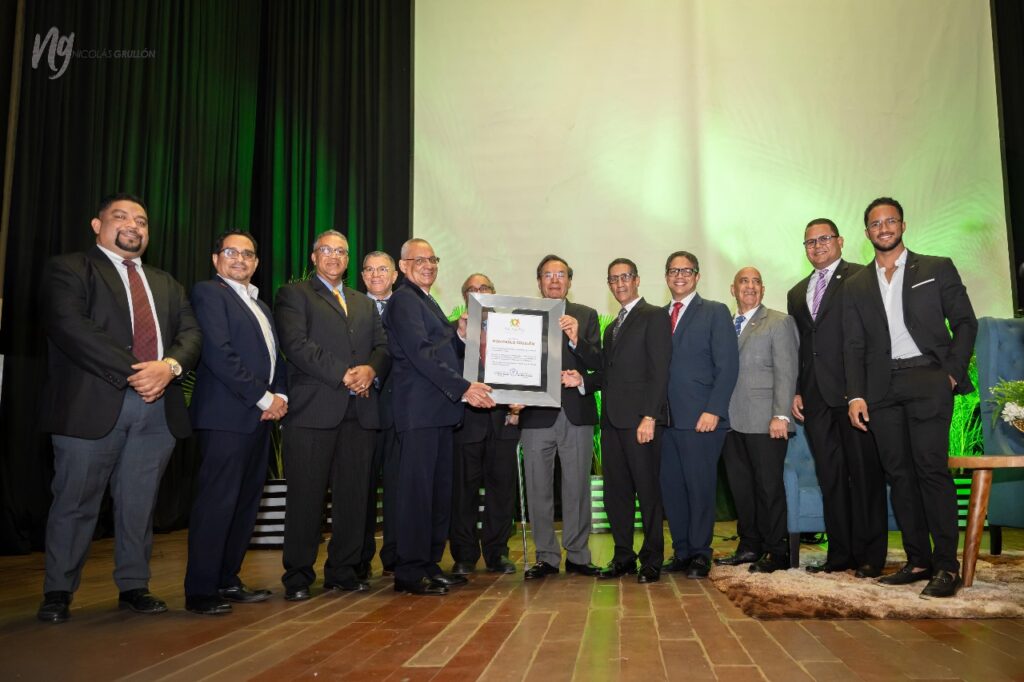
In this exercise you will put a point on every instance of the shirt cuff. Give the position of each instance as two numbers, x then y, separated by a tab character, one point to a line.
266	401
851	400
581	388
781	416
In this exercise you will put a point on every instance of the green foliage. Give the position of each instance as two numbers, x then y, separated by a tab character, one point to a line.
965	436
1006	392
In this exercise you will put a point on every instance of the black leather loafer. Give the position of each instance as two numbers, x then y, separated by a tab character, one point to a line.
207	605
449	580
353	585
770	563
56	607
905	576
297	593
868	571
829	568
539	570
589	570
943	584
502	565
676	565
648	574
737	559
423	586
614	569
699	567
463	568
243	595
141	601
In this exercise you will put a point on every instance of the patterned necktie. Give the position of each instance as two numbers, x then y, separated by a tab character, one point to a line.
341	300
380	305
677	307
819	292
143	322
739	323
618	323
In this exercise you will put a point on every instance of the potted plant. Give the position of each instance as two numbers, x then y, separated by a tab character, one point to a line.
1008	397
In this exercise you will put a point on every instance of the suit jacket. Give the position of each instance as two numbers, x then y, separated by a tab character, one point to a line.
768	369
475	423
89	338
427	376
821	339
634	377
705	361
584	358
234	368
321	342
932	294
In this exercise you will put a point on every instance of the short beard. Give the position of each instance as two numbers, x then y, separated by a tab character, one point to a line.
886	249
129	248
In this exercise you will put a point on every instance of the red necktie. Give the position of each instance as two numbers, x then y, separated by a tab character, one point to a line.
143	322
676	309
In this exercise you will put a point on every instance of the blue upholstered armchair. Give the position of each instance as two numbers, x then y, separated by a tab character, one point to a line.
1000	355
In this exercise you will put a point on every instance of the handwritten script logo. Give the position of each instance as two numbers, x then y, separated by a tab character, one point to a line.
59	46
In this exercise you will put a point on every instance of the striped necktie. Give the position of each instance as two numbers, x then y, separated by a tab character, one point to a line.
740	319
819	292
341	299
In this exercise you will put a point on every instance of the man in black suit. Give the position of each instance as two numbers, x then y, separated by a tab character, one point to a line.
239	392
337	351
119	337
849	473
902	368
569	431
429	390
484	456
633	382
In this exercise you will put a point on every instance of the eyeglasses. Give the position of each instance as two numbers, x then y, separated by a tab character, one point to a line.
891	221
233	253
684	272
483	289
823	240
548	276
624	277
380	270
420	261
332	250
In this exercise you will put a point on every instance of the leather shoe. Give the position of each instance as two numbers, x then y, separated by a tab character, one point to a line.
502	565
363	570
141	601
737	559
423	586
676	565
449	580
389	569
297	593
614	569
699	567
589	570
243	595
351	585
55	607
905	576
207	605
829	567
942	584
539	570
463	568
868	571
770	563
648	574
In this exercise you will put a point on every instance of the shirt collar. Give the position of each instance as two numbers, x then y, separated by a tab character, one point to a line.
684	300
339	288
379	298
632	304
900	262
119	260
749	314
830	268
242	289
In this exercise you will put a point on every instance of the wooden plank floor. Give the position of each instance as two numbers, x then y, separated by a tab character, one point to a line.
496	628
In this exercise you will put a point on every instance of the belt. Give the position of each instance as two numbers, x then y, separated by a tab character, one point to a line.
909	363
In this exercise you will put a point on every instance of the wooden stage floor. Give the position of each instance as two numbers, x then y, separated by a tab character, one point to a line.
496	628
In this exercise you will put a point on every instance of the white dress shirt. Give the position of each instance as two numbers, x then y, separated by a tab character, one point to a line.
248	293
903	345
122	271
830	270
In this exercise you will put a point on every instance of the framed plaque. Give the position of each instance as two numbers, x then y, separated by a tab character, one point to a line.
514	345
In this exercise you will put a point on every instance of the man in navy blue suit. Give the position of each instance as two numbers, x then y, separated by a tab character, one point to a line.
239	392
703	371
428	394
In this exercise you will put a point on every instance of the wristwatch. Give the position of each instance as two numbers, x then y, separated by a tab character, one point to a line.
175	367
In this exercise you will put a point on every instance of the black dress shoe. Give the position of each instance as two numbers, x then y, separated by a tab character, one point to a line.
363	570
207	605
449	580
141	601
351	585
829	568
676	565
699	567
423	586
905	576
463	568
614	569
770	563
243	595
868	571
539	570
55	607
502	565
943	584
589	570
648	574
737	559
297	593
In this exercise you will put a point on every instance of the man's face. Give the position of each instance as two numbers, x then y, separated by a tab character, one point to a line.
378	275
885	227
822	254
477	284
330	258
679	283
422	273
554	280
747	289
242	265
622	284
122	227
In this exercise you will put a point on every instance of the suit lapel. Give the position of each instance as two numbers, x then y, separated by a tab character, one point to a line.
910	276
246	310
751	327
802	311
161	304
830	290
112	279
627	323
323	292
686	317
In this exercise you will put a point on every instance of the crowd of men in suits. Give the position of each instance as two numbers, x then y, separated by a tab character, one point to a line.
370	389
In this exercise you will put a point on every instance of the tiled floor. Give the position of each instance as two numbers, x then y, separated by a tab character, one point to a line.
496	628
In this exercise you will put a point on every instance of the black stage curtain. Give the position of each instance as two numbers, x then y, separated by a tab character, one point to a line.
284	118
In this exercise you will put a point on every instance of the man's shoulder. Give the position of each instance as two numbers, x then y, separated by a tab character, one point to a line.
713	307
210	287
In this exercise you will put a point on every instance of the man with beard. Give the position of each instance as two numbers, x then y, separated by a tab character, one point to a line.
903	367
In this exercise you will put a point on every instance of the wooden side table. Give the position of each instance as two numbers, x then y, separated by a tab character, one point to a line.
977	508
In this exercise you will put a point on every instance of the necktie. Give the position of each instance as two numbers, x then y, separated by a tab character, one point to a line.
819	292
143	322
739	323
380	305
618	323
677	307
341	300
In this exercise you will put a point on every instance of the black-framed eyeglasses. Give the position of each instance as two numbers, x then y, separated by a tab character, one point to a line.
332	250
233	253
423	260
380	270
685	272
624	277
823	240
891	221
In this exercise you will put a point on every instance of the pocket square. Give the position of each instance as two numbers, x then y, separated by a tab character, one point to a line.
923	283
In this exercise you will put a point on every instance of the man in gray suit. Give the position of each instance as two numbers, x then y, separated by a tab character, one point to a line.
755	449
